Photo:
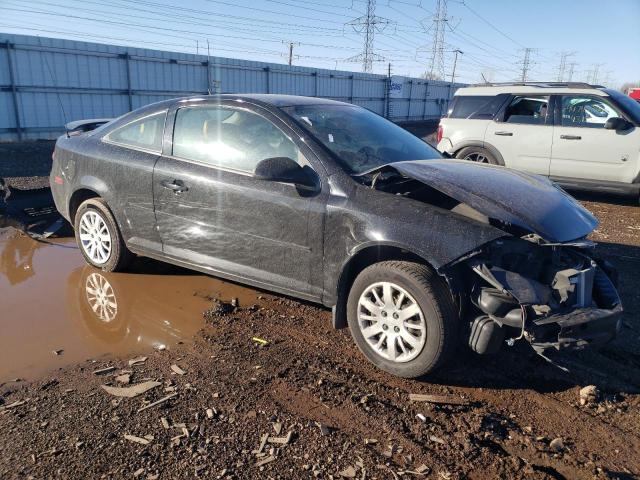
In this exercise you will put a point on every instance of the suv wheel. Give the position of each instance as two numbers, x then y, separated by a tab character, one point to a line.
477	154
99	238
402	318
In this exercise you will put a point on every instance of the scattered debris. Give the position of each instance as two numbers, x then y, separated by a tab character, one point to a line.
177	370
13	405
348	472
260	341
421	417
281	440
324	429
557	444
144	441
161	347
440	399
165	423
265	460
277	427
137	361
588	394
102	371
158	402
58	352
370	441
126	378
209	413
132	391
436	439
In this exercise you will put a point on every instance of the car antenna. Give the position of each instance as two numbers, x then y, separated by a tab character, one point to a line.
55	83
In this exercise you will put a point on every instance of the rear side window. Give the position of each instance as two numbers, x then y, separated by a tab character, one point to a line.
145	133
229	138
476	107
531	110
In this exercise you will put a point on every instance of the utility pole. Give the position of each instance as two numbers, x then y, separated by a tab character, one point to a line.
440	19
368	24
455	62
208	70
291	45
563	64
526	63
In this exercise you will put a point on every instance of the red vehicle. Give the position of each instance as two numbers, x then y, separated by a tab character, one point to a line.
634	93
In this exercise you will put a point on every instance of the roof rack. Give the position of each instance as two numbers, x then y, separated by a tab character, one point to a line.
540	84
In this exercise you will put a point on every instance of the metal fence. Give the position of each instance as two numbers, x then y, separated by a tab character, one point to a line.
45	81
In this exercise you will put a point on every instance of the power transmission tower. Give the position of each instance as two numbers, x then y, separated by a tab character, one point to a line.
368	24
527	63
595	72
563	64
572	67
455	62
440	19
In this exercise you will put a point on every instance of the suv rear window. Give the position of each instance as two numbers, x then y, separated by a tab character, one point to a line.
476	106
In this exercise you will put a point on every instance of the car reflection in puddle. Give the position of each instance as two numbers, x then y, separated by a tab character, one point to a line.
52	302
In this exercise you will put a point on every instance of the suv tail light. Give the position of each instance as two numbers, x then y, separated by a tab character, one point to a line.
439	134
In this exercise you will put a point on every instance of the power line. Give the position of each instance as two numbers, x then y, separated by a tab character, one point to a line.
368	24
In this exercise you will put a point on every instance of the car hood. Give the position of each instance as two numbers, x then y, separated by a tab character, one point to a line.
529	201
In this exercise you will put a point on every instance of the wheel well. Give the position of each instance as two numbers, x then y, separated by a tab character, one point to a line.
361	260
76	199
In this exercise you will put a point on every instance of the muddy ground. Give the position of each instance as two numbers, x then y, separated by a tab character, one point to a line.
347	420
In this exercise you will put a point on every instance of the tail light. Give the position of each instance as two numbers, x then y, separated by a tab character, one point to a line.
439	134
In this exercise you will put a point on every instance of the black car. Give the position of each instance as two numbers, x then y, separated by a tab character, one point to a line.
329	202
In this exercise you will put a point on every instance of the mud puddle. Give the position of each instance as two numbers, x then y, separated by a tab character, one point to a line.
55	310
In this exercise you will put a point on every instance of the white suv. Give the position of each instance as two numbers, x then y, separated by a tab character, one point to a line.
581	136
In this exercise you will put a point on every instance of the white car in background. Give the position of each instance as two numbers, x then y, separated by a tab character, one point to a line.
581	136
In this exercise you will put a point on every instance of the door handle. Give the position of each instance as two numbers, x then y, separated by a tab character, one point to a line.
505	134
177	186
571	137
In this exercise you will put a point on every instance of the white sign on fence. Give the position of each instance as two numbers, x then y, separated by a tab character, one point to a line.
396	86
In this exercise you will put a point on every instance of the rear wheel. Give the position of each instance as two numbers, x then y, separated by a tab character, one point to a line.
99	238
477	154
402	317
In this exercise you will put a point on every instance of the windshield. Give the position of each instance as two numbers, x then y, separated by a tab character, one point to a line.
628	104
360	139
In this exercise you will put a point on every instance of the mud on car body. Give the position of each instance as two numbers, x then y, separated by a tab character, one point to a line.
329	202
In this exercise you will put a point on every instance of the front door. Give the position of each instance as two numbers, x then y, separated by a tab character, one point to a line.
583	148
213	213
523	134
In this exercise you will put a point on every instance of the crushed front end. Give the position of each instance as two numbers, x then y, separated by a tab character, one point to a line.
553	295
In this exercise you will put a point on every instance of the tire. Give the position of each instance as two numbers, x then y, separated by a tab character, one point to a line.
110	253
477	154
416	284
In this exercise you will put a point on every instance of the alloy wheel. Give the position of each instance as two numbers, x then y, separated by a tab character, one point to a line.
95	237
391	322
477	157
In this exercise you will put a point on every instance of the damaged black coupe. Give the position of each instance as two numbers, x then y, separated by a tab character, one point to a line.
328	202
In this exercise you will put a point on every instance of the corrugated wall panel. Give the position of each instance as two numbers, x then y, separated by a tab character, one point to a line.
89	80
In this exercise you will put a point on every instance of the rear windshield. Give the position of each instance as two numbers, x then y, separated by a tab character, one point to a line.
476	106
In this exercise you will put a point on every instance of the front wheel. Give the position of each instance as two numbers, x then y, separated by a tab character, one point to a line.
477	154
402	318
99	238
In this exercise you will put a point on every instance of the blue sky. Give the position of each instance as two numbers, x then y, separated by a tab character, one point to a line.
602	36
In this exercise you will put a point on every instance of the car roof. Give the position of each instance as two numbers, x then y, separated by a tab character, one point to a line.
533	88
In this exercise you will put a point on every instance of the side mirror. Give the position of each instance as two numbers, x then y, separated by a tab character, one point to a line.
285	170
616	123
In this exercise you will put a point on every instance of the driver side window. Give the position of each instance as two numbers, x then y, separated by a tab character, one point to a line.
585	111
229	138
